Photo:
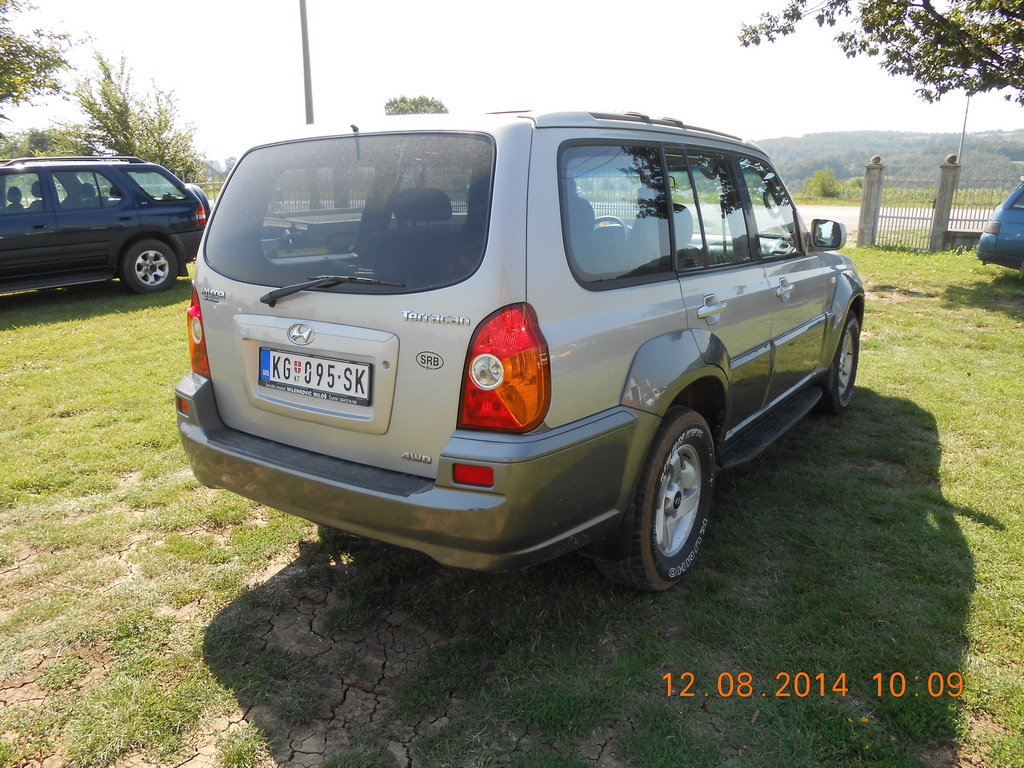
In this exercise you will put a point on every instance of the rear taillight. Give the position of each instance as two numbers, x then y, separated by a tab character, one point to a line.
197	338
507	382
201	216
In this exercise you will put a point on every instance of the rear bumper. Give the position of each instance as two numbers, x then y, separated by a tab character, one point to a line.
188	248
553	491
988	254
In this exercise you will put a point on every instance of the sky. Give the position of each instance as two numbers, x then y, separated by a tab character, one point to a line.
235	66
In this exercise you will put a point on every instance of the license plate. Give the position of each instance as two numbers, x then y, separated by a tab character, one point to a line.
338	380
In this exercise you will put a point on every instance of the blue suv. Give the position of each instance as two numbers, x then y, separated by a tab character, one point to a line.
71	220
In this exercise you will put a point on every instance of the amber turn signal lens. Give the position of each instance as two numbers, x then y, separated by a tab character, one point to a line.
507	382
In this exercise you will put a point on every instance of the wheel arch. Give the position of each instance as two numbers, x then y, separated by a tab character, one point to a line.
672	370
138	237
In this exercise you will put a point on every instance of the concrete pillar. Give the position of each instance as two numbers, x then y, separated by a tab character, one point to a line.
870	202
949	178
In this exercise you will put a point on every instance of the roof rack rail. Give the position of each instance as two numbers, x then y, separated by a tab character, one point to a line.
639	117
76	159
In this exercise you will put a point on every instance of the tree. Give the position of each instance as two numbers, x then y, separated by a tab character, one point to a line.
420	105
119	122
973	45
28	143
30	62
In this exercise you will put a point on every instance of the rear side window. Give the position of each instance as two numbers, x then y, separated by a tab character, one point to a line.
720	207
1018	203
156	185
80	190
614	213
402	212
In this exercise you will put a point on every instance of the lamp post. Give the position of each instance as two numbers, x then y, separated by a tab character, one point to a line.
306	78
963	133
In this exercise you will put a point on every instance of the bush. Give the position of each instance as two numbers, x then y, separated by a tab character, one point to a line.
823	183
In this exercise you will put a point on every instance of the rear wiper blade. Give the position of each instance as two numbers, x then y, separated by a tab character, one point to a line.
323	281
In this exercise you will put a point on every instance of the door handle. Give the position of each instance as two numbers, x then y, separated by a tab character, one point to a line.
711	309
785	288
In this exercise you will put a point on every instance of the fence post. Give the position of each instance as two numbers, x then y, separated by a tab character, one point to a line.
870	202
949	177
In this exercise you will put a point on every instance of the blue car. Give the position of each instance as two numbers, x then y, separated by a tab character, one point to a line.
1002	241
73	220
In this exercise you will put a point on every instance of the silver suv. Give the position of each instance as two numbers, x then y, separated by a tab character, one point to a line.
502	339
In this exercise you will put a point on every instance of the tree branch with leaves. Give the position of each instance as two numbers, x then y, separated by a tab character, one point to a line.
975	46
119	122
30	62
418	105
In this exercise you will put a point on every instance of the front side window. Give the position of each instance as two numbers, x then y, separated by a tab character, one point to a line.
773	210
614	213
401	212
20	192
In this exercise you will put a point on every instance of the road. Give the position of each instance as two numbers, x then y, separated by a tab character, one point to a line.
845	214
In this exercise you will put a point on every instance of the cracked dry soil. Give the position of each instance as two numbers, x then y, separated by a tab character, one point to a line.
333	687
319	675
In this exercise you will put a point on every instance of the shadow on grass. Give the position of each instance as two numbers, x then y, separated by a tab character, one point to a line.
835	577
1004	293
81	302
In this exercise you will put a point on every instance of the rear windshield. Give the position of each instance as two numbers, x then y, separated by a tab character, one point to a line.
403	212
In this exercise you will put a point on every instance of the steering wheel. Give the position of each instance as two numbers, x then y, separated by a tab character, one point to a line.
780	246
609	221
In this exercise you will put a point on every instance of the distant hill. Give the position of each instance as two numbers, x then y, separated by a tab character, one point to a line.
994	156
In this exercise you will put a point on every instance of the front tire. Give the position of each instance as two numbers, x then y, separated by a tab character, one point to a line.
842	374
672	505
149	266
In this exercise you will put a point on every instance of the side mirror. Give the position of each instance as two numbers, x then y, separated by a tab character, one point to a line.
827	235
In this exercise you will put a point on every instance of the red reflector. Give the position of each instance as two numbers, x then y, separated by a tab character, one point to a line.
184	406
470	474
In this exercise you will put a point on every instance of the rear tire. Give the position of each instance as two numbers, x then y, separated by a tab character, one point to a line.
149	266
673	502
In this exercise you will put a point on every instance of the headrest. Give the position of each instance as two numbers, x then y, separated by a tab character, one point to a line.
424	204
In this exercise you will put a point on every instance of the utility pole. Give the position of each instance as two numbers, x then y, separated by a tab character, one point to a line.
307	79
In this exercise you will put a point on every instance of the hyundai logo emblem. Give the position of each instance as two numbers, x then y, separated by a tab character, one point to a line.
300	334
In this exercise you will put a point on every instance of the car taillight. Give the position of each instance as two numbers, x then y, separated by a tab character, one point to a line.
197	338
507	382
201	216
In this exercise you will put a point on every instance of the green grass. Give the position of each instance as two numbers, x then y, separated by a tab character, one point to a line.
140	615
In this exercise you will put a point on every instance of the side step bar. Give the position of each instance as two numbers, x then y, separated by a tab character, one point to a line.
769	430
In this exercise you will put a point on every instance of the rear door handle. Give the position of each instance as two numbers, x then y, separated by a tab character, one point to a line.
711	309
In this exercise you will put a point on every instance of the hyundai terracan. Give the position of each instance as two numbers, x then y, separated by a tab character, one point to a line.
500	339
